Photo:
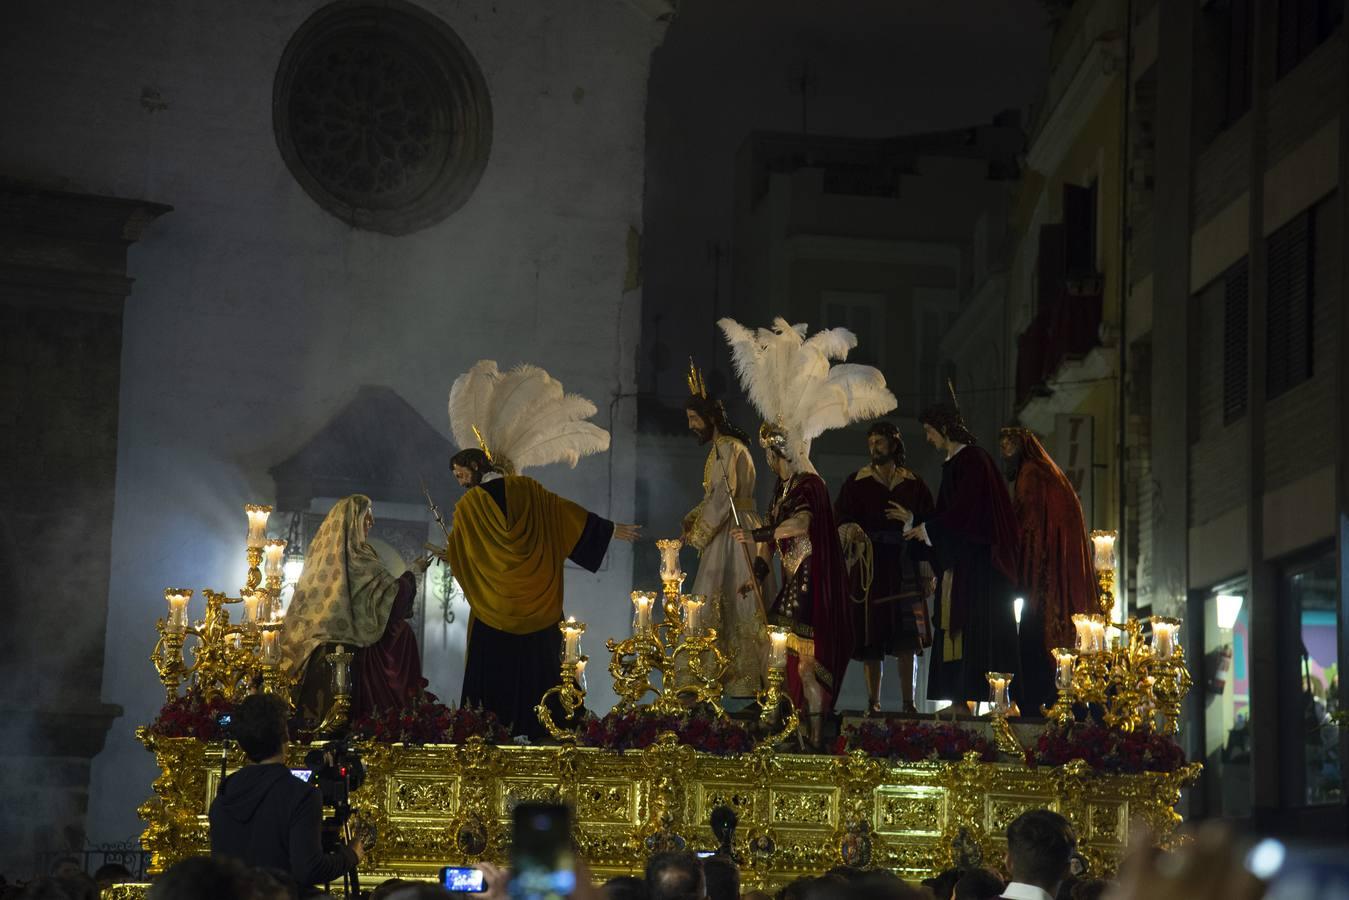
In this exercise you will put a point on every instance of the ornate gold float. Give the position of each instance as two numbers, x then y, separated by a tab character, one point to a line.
450	804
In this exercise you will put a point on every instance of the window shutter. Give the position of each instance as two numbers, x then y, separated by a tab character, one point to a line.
1236	305
1289	307
1238	97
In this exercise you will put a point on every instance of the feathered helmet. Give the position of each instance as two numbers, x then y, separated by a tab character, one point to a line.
799	392
522	418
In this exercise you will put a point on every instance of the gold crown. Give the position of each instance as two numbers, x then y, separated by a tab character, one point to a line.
697	386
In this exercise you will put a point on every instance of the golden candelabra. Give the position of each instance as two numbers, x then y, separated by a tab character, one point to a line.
772	699
1134	682
228	660
571	690
683	652
339	664
999	705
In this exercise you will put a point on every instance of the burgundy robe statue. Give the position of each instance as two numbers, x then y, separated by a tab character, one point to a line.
891	617
388	673
974	540
813	602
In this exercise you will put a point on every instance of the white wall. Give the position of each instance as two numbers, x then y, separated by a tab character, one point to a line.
256	315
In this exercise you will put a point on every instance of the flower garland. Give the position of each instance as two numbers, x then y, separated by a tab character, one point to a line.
192	715
425	720
1106	749
914	741
635	730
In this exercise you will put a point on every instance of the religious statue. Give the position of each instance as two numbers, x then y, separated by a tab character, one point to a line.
972	532
890	579
800	394
346	596
724	566
510	536
1054	562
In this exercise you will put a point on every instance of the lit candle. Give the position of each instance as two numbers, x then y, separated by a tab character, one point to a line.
257	524
571	632
177	599
777	657
669	559
1063	674
1097	634
1103	543
1082	622
642	601
272	553
1164	636
268	649
581	672
998	682
251	606
693	606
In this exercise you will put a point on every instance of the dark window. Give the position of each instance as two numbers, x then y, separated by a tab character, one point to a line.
1236	302
1288	323
1303	26
1079	229
1051	276
1237	74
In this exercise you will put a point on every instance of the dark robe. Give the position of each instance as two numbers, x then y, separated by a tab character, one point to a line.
388	673
813	602
890	617
974	540
508	674
1055	570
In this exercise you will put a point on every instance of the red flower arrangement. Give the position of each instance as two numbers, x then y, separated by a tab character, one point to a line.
635	730
1106	749
192	715
913	741
425	720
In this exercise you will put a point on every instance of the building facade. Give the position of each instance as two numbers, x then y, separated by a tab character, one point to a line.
1194	152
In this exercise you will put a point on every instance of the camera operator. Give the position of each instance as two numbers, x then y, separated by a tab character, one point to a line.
264	815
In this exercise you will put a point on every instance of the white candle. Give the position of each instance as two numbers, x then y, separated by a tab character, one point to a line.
251	606
1164	636
642	602
177	599
1082	622
272	552
1103	545
581	672
268	649
693	606
1097	635
257	524
998	683
777	658
571	632
1063	674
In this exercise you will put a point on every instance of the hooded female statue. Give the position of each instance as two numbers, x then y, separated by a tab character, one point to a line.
346	596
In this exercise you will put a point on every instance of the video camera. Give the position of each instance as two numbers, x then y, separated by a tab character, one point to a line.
337	770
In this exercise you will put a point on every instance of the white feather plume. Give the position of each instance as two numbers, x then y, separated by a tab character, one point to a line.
524	416
791	379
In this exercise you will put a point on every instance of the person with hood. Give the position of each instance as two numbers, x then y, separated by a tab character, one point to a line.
347	596
266	817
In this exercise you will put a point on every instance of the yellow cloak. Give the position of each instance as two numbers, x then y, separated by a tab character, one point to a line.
510	567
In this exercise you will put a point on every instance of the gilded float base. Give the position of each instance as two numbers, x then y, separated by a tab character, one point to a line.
799	815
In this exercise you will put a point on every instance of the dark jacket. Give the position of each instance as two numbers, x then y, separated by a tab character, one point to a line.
268	818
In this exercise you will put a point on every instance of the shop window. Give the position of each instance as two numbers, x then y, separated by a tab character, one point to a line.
1308	595
1227	701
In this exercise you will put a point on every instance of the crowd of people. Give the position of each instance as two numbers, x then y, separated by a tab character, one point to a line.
1039	864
